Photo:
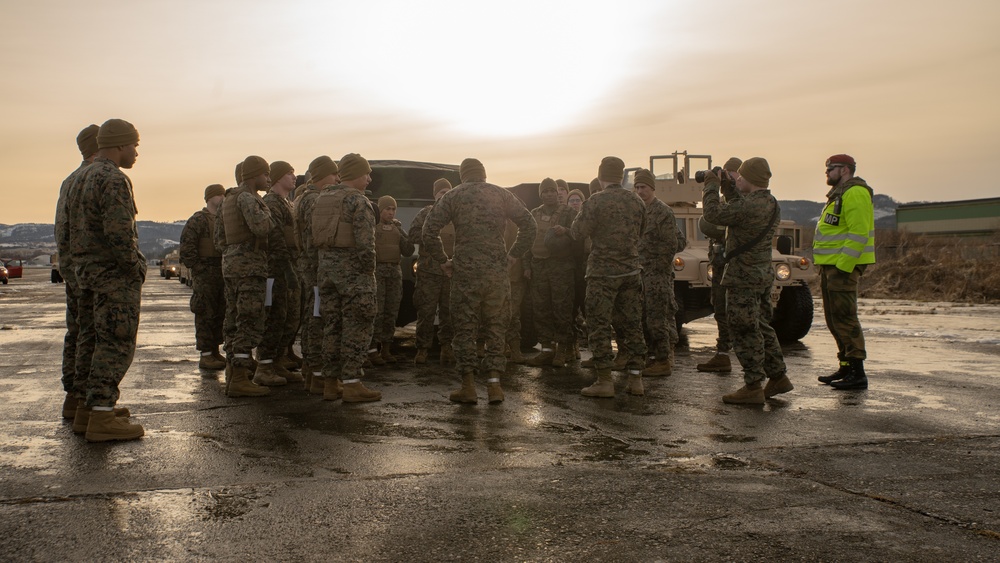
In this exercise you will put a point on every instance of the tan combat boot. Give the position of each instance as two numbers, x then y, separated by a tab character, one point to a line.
317	385
421	357
604	387
241	386
777	386
720	363
208	361
104	426
494	392
267	375
293	357
467	393
355	392
375	358
659	368
543	358
218	356
69	406
333	389
447	355
621	360
386	352
82	416
516	357
289	375
561	355
634	385
747	395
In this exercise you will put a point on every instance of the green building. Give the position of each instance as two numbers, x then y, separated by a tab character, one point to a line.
971	217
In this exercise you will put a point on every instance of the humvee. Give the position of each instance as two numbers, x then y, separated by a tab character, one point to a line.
170	265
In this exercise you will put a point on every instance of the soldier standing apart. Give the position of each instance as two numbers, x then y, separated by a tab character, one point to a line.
343	228
246	223
86	141
614	219
110	270
551	275
480	297
843	247
657	247
391	244
323	172
432	292
208	298
720	363
751	217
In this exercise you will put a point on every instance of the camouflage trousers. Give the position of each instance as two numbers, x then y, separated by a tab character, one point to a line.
388	295
517	290
109	322
431	295
282	313
244	325
293	319
840	307
617	300
660	312
552	290
69	367
347	304
208	303
310	321
754	341
724	343
480	307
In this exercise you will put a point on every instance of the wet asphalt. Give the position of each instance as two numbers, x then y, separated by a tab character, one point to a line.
907	470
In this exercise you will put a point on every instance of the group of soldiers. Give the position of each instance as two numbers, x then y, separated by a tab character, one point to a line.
321	262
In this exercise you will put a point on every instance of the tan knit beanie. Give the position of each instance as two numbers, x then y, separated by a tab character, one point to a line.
386	201
441	184
576	192
562	184
116	133
214	190
239	172
756	171
471	170
643	176
278	170
321	167
546	184
612	169
352	166
595	186
254	166
87	140
732	165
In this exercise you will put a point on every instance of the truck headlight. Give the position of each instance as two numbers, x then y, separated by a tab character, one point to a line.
782	272
710	271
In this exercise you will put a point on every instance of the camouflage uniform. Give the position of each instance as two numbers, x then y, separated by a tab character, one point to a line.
748	277
110	270
282	252
517	287
657	247
346	279
311	322
69	367
614	220
391	243
432	291
244	267
552	283
717	243
480	302
208	298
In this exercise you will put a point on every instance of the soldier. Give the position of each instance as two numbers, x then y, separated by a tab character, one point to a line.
551	275
323	173
480	301
86	141
843	247
208	298
391	244
720	363
343	229
104	249
562	190
245	223
751	218
432	292
515	275
657	247
575	200
614	219
281	299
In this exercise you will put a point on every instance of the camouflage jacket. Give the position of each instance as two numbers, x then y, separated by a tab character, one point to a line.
614	219
247	258
62	223
745	217
405	246
357	212
303	208
279	253
479	211
660	241
103	239
200	226
426	263
559	214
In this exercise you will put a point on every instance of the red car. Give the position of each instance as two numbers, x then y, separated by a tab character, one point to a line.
3	275
15	268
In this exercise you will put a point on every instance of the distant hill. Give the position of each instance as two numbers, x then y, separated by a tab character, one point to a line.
806	213
32	239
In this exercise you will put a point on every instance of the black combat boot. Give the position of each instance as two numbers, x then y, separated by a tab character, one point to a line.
844	371
857	378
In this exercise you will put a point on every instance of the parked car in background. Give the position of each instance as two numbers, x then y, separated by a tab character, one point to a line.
3	275
15	268
56	274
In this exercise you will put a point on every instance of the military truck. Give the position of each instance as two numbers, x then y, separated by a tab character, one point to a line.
790	294
171	264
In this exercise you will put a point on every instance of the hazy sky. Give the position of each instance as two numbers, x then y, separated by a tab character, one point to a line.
532	88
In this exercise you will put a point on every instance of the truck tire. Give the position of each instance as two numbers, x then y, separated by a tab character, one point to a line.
793	316
167	275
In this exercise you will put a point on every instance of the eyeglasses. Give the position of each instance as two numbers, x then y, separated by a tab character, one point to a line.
833	167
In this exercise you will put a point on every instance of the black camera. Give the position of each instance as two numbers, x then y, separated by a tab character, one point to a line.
699	176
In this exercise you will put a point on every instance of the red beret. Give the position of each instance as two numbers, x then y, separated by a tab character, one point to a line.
844	159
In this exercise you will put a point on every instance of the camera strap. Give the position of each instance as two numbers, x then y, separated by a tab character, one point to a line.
747	246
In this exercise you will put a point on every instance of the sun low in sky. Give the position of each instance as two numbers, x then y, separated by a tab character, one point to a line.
533	89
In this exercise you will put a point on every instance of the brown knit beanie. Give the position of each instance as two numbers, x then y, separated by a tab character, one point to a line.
562	184
254	166
352	166
278	170
239	172
116	133
643	176
87	140
756	171
321	167
471	170
732	165
214	190
612	169
595	186
386	201
546	184
576	192
441	184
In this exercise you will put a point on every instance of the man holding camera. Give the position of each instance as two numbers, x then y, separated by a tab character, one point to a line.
752	216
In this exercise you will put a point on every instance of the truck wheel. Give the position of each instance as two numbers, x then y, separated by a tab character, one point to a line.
167	275
793	316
